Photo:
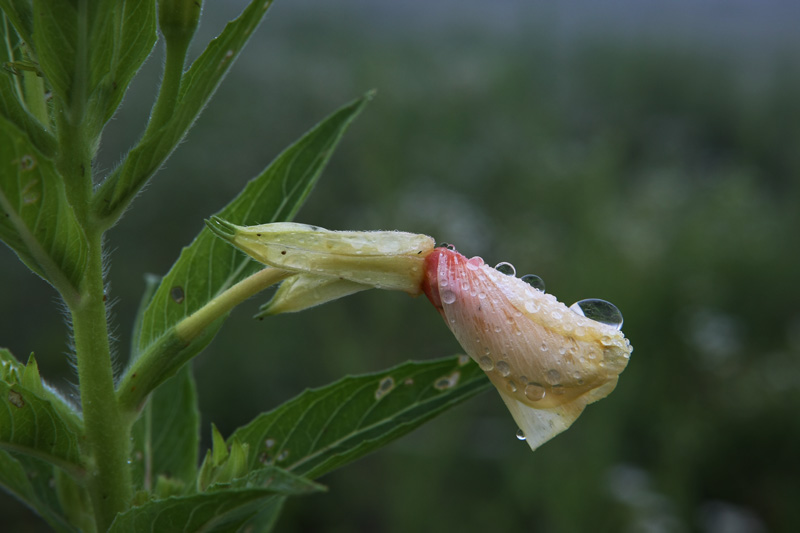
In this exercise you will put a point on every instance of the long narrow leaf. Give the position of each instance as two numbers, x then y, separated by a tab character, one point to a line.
325	428
223	509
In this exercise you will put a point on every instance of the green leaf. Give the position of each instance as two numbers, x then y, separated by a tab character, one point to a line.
12	106
197	86
36	220
30	424
20	14
39	439
90	52
222	509
209	266
166	435
56	42
34	483
323	429
123	34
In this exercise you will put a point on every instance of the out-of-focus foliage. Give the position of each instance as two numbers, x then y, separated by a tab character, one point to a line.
662	174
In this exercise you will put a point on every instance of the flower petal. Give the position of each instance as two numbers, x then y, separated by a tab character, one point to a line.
547	361
303	291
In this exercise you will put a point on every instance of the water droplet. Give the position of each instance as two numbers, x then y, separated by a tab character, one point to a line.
543	347
534	392
446	245
599	311
486	364
503	368
448	381
283	455
474	263
520	435
553	376
511	386
558	390
506	268
448	297
384	387
269	443
532	307
463	360
556	315
534	281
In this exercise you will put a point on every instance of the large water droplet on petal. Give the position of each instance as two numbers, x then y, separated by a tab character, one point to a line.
448	297
503	368
599	311
534	392
486	363
520	435
506	268
534	281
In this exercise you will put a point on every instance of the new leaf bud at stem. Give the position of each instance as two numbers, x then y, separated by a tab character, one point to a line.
178	19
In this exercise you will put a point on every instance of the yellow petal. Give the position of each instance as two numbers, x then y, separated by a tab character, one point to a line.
302	291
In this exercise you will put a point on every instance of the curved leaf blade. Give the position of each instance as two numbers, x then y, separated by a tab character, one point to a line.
37	221
30	481
31	425
323	429
222	509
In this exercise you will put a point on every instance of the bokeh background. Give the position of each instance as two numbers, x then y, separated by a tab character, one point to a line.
643	152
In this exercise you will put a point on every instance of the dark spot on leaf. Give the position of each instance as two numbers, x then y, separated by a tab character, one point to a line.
283	252
15	399
258	235
177	294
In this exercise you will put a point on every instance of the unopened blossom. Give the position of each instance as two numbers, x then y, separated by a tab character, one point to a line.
547	360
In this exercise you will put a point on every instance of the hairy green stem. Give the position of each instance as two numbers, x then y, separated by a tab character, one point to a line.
107	433
184	340
193	325
170	86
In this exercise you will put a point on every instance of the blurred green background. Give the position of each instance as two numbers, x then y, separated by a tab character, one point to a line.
642	153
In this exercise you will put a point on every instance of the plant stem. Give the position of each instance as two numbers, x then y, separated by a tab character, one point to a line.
107	433
184	340
170	85
193	325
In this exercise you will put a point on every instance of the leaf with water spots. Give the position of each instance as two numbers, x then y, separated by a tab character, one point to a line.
323	429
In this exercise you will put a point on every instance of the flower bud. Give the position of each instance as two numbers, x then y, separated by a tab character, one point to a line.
392	260
178	19
546	360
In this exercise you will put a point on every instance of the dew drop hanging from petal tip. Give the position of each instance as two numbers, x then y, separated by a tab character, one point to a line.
520	435
599	311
